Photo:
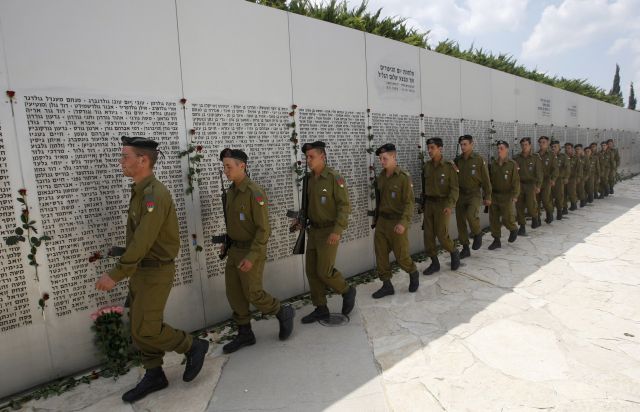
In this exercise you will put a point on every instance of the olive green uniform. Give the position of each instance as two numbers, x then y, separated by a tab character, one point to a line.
328	211
570	189
441	191
472	175
564	172
530	171
248	227
594	170
580	173
586	176
605	168
550	175
153	243
505	182
615	162
396	207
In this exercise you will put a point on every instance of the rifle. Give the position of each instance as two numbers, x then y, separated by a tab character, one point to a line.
419	200
376	212
301	217
223	239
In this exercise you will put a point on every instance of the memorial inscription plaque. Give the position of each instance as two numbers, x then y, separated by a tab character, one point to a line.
446	129
83	197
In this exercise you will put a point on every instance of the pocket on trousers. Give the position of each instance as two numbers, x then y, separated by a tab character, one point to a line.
151	323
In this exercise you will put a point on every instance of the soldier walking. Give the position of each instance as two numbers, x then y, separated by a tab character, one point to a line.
580	173
550	174
530	170
615	162
563	178
605	170
591	170
394	212
505	182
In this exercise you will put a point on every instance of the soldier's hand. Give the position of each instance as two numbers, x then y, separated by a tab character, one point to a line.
245	265
486	202
515	200
567	181
399	229
222	249
333	239
105	283
447	211
553	183
537	190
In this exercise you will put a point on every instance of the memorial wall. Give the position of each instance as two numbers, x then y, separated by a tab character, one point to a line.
75	76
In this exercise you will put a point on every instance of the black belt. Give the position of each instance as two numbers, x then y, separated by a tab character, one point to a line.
148	263
496	192
241	244
321	225
466	191
434	198
391	216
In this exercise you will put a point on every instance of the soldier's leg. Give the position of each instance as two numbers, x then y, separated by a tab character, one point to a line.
254	292
547	198
150	289
508	216
494	219
441	226
531	201
429	231
521	204
473	215
462	207
382	248
400	245
612	180
558	196
233	285
326	255
316	287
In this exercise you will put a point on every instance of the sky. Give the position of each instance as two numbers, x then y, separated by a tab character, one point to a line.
576	39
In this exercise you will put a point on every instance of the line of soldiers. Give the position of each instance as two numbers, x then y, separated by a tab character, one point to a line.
153	242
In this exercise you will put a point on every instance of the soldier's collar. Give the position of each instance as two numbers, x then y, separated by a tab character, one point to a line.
139	187
243	185
325	172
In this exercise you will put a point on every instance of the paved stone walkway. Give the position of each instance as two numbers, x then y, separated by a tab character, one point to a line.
551	322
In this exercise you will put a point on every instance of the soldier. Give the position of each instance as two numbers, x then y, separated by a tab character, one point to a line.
550	174
472	175
574	171
530	171
505	182
392	221
328	214
597	171
441	194
580	173
615	163
248	228
591	163
571	180
563	178
605	169
152	244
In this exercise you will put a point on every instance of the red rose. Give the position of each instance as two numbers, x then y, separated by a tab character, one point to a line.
193	236
299	162
183	100
294	106
23	192
11	93
421	115
192	131
25	212
199	148
291	113
45	296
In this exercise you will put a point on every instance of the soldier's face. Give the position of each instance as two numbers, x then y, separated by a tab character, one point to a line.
544	144
387	160
604	147
587	152
130	161
466	146
233	168
526	146
579	151
594	148
434	150
568	150
315	159
555	148
503	151
610	145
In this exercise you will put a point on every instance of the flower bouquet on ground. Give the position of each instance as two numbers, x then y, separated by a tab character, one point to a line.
112	339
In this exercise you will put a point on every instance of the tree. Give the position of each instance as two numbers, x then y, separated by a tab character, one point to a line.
615	90
632	98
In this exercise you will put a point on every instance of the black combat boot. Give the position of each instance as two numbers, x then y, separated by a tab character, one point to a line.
549	218
455	259
513	235
153	380
477	242
414	281
559	214
565	210
433	267
385	290
285	318
522	231
611	191
319	313
195	359
348	300
245	337
574	206
583	203
465	253
590	198
496	244
535	222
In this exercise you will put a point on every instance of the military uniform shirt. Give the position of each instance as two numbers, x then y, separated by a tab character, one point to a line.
505	178
248	217
328	200
549	165
396	195
152	228
473	174
564	166
441	180
530	168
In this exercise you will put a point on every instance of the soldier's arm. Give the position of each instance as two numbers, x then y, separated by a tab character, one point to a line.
407	200
515	189
260	216
539	172
343	207
454	189
555	170
486	181
143	238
